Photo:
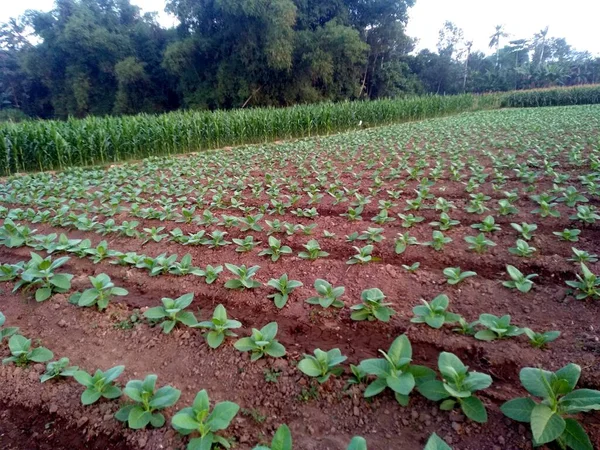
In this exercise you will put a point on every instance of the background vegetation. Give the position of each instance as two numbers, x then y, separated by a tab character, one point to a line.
101	57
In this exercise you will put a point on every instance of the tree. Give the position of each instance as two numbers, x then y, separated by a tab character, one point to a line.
495	40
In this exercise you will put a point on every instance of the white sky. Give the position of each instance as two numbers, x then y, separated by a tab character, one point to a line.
577	20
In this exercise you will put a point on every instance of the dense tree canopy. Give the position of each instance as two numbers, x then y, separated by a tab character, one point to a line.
103	57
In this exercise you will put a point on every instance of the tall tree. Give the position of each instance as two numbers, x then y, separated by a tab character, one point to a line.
495	41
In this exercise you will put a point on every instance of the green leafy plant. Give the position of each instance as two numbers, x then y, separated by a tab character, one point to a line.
410	220
219	327
282	440
434	314
587	285
363	256
245	245
525	229
102	290
284	286
403	241
327	295
22	353
313	251
147	400
465	327
275	250
582	256
173	312
244	277
455	276
568	235
395	371
551	418
488	225
199	418
39	274
372	307
412	268
210	273
496	328
539	340
436	443
60	368
445	222
522	249
6	331
323	364
438	241
479	244
517	280
357	443
262	342
457	387
101	384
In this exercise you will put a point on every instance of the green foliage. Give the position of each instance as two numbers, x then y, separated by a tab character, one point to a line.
275	250
517	280
100	294
284	286
551	419
525	229
587	285
219	327
282	440
539	340
39	274
201	419
438	241
101	384
327	295
496	328
479	244
522	249
146	401
313	251
434	314
436	443
323	364
455	276
457	387
261	342
395	371
172	311
357	443
6	331
362	256
22	353
568	235
372	307
244	277
60	368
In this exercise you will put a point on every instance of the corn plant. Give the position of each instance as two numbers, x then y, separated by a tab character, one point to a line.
372	307
60	368
172	311
438	241
323	364
587	285
244	277
454	275
496	328
147	400
261	342
539	340
22	353
522	249
434	314
313	251
525	229
282	440
100	294
457	387
6	331
275	250
395	371
552	418
219	327
39	274
517	280
101	384
327	295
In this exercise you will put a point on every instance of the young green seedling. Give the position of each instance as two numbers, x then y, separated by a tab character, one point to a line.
357	443
39	274
581	256
22	352
219	327
395	371
372	307
525	229
199	418
244	277
245	245
552	418
488	225
103	289
445	223
496	328
284	286
455	276
587	285
57	369
438	241
522	249
6	331
568	235
539	340
313	251
403	241
323	364
412	268
328	295
101	384
457	387
479	244
147	400
210	273
172	311
434	314
282	440
261	342
518	281
466	328
275	250
363	256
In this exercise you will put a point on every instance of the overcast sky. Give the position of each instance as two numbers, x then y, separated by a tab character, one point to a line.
577	20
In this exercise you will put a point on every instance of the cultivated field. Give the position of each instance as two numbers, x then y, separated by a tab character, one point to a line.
385	213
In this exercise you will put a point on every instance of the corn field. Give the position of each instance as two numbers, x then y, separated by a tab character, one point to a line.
53	145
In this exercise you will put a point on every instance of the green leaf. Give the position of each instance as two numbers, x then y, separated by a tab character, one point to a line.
402	384
450	366
214	339
532	379
88	297
310	367
433	390
580	400
282	439
546	425
375	387
164	397
40	354
122	415
157	420
474	409
158	312
518	409
90	396
486	335
222	414
42	294
358	443
138	418
575	436
436	443
185	422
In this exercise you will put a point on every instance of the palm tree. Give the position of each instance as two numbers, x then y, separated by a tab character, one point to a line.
468	47
495	41
539	41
